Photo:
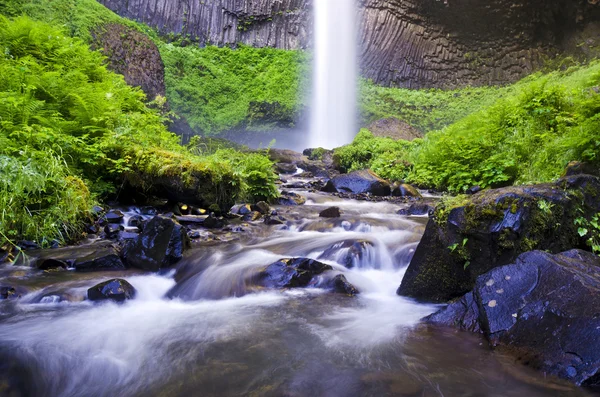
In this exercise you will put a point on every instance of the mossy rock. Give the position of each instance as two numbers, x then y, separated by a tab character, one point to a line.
491	229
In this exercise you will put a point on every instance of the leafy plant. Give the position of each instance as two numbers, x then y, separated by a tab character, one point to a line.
590	231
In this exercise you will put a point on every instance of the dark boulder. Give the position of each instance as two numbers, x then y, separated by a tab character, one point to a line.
274	220
341	285
160	245
285	168
241	209
331	212
135	221
106	259
117	290
406	190
252	216
212	222
290	199
8	292
577	167
365	181
112	230
262	207
416	209
543	309
51	263
291	273
491	228
114	216
473	189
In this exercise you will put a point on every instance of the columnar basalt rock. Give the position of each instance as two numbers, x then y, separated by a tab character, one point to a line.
404	43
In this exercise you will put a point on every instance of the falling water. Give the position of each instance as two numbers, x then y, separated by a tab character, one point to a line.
333	119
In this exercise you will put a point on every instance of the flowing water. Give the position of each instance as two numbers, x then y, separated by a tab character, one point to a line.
333	107
204	328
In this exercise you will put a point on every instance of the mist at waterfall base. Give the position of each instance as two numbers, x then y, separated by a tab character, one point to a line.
205	328
333	105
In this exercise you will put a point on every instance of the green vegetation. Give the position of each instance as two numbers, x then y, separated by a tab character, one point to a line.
528	134
428	109
218	89
70	131
589	229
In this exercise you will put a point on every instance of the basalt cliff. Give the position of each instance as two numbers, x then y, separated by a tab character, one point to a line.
404	43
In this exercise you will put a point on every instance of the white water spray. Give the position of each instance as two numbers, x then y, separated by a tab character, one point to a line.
333	113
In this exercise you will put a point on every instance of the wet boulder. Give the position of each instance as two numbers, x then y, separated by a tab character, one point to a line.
114	216
416	209
477	233
290	199
252	216
406	190
331	212
213	222
117	290
160	245
291	273
8	292
285	168
106	259
262	207
341	285
543	309
365	181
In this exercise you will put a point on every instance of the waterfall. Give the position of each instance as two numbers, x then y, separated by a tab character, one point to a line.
333	109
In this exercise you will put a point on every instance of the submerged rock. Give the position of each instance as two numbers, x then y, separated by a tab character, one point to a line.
106	259
491	229
160	245
117	290
8	292
365	181
331	212
416	209
341	285
291	272
543	309
114	216
348	252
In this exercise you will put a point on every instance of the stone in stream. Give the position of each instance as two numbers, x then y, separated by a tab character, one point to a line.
106	259
262	207
290	199
135	221
542	309
416	209
114	216
117	290
160	245
8	292
341	285
493	227
51	263
112	230
406	190
291	273
252	216
285	168
331	212
365	181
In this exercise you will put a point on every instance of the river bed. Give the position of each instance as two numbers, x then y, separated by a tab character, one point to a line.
204	329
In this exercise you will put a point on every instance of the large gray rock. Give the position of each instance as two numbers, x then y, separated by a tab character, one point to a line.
160	245
492	228
543	309
291	273
408	43
365	181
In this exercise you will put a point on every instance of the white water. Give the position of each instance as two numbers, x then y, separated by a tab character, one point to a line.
333	111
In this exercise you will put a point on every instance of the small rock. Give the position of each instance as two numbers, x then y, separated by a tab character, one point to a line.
271	220
8	292
117	290
473	189
112	230
262	207
292	272
285	168
107	259
135	221
416	209
365	181
406	190
341	285
212	222
290	198
331	212
252	216
114	216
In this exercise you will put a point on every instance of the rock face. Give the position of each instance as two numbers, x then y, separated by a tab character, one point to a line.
394	128
543	309
365	181
133	55
116	289
160	245
263	23
491	228
404	43
292	272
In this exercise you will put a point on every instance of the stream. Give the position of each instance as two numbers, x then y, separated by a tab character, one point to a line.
203	328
